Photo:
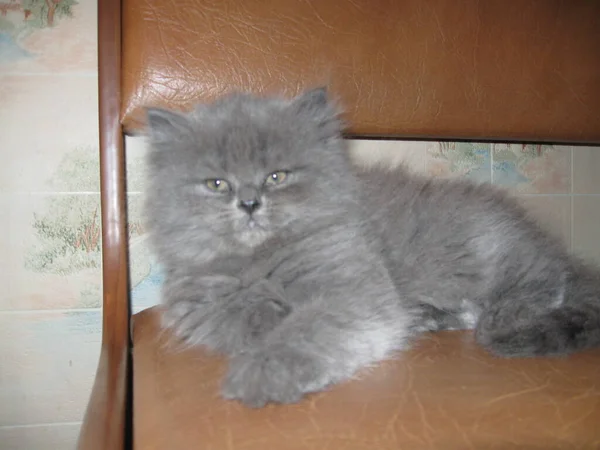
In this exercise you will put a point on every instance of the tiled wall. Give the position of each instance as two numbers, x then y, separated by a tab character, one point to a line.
49	221
49	225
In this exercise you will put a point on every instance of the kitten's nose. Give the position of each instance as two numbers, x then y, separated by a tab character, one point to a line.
249	205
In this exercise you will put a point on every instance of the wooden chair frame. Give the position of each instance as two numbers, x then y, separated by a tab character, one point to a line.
108	419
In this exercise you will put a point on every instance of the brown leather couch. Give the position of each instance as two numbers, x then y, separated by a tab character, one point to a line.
442	69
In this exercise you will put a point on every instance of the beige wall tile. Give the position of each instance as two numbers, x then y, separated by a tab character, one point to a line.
586	227
553	213
389	154
49	138
48	363
586	170
136	163
437	159
41	437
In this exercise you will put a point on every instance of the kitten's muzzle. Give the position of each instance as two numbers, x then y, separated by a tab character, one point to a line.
249	205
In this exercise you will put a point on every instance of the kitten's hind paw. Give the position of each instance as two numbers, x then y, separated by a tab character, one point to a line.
559	332
278	374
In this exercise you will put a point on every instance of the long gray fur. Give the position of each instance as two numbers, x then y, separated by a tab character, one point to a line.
339	267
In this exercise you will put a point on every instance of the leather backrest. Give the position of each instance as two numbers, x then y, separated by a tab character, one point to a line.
493	69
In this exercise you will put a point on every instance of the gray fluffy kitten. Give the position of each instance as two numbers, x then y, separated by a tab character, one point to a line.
301	268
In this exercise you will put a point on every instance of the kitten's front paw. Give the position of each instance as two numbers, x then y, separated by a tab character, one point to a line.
279	374
263	317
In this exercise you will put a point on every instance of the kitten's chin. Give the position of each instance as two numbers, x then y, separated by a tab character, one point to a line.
252	234
252	238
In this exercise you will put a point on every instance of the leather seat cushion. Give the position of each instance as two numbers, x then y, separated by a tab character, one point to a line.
445	393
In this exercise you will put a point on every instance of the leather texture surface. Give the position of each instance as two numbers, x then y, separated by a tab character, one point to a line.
444	393
497	69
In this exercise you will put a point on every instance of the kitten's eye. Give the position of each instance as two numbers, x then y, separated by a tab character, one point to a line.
276	178
217	185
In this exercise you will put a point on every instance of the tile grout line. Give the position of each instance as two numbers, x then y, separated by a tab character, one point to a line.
554	195
571	208
85	74
37	425
48	311
61	193
572	171
42	193
492	163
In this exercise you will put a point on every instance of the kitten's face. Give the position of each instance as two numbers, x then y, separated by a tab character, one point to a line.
240	197
236	173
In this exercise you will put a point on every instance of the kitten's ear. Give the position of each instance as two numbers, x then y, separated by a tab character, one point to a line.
164	126
315	107
311	100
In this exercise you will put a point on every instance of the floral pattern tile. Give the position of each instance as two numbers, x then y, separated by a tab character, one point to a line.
39	36
145	273
146	292
463	159
533	169
528	169
51	248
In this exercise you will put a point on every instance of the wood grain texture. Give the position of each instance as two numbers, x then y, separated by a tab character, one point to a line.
105	421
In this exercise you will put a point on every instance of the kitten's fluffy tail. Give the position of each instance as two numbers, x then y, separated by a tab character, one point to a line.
556	329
